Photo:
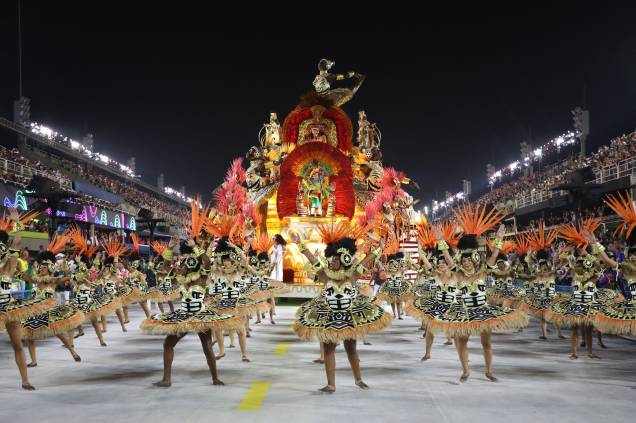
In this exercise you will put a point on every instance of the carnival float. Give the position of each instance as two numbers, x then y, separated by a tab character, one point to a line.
314	169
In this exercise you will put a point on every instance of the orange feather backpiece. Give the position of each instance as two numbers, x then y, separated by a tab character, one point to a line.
80	243
58	243
6	223
451	236
624	208
113	246
262	243
331	232
576	233
135	242
159	246
475	220
222	225
426	235
522	243
198	216
540	240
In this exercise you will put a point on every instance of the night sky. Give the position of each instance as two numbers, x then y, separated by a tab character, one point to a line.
186	89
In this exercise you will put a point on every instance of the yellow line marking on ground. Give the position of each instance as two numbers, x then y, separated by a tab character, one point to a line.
253	399
280	350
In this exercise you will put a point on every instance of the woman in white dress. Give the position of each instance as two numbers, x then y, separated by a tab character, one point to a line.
277	260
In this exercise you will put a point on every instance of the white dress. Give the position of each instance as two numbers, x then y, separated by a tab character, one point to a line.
277	260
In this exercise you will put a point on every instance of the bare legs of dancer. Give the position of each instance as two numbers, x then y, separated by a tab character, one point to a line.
321	360
429	338
330	364
65	340
144	307
168	356
14	329
461	344
98	331
120	317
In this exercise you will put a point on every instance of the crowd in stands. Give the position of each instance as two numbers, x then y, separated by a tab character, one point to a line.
172	211
549	176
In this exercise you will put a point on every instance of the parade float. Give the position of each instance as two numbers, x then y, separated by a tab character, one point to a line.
314	168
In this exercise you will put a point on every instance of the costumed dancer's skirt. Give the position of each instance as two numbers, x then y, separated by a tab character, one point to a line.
181	322
537	305
162	296
459	320
102	305
316	320
19	310
127	294
507	297
241	307
566	312
426	308
618	319
59	319
608	296
395	294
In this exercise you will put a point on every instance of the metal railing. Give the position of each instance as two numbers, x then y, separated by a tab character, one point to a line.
603	174
27	172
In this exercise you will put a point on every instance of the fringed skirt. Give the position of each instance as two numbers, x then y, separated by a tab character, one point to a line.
102	305
181	321
19	310
127	294
505	296
617	318
159	295
242	306
458	320
58	320
315	320
536	304
567	312
395	293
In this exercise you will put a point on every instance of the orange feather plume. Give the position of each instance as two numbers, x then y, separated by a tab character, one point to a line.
576	233
80	243
475	220
522	244
6	223
426	235
221	226
451	236
113	246
262	243
331	232
57	243
540	240
624	208
135	243
198	216
159	246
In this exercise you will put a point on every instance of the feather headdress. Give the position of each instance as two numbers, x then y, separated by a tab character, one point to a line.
624	208
426	235
576	233
475	220
113	246
522	244
540	240
135	243
451	236
6	224
198	216
262	243
57	243
332	232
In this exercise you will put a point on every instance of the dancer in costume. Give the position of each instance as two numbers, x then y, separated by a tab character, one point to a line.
620	317
431	299
469	312
541	291
90	298
13	310
260	268
166	290
396	290
339	314
109	278
193	316
227	271
323	81
136	280
61	319
504	292
579	309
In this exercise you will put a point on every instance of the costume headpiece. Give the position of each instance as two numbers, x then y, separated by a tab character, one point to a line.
162	249
198	217
426	236
114	248
55	246
7	225
576	233
523	244
338	240
540	241
474	222
624	208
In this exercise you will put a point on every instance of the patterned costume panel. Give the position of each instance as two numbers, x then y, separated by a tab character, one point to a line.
181	321
59	319
395	290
